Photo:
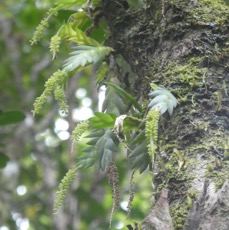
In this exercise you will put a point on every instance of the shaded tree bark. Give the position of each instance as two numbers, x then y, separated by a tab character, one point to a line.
182	45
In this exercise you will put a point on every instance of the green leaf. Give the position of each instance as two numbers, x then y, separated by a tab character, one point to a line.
137	162
70	3
84	55
3	160
101	73
86	160
93	141
138	156
145	163
139	138
103	147
140	149
126	95
163	101
141	162
72	33
113	103
88	149
11	117
131	123
102	120
106	159
95	133
79	19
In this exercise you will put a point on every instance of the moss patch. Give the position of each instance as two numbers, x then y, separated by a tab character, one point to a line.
182	77
205	12
210	12
179	213
216	172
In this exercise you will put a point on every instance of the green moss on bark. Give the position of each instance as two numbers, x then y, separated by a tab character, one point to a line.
209	12
179	213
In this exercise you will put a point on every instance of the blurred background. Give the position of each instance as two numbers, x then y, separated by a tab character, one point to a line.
35	152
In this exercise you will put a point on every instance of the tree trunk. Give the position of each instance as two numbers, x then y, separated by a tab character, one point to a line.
183	46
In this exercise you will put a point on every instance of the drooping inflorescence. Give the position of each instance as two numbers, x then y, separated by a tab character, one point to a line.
53	85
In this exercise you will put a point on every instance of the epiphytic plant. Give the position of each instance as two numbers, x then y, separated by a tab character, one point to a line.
122	120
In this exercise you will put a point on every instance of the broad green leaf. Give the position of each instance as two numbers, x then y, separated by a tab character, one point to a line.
100	34
102	120
3	160
95	134
138	156
105	143
109	144
145	163
70	3
76	35
84	55
78	18
137	162
141	162
101	73
158	99
71	31
131	123
139	138
126	95
99	145
113	103
79	37
88	149
140	149
93	141
86	160
105	117
106	158
163	101
94	137
11	117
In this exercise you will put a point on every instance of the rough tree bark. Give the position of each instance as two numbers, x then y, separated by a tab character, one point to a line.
182	45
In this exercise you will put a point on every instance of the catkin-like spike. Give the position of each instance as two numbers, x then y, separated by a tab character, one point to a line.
131	194
39	102
55	45
61	99
151	132
113	178
42	26
79	130
53	84
63	188
39	31
58	78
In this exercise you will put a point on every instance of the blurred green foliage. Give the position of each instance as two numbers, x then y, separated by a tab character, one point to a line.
33	157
